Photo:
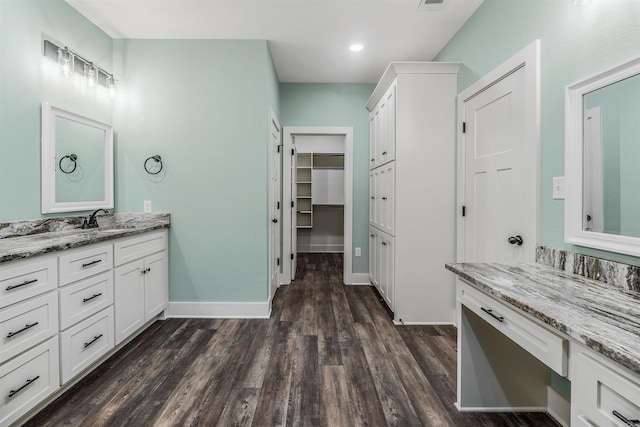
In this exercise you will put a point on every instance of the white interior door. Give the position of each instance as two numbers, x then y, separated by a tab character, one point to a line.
274	206
500	190
294	210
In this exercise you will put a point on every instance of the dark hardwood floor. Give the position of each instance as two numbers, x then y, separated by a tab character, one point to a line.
328	356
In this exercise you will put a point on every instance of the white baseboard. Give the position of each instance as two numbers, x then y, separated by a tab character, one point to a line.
359	279
249	310
424	323
320	249
502	409
559	408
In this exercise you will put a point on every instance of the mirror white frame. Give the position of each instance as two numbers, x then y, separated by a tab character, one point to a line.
49	204
574	168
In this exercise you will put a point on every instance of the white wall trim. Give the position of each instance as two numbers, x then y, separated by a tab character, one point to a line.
359	279
559	408
501	409
248	310
529	57
397	323
289	132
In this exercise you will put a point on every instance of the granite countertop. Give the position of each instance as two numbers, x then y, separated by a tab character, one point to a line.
604	318
26	239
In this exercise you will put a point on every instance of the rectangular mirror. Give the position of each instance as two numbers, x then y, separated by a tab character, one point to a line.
602	154
77	162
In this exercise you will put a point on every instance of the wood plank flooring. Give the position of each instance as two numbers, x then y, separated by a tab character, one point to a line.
329	355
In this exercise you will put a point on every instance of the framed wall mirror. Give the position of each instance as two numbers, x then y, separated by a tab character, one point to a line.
77	162
602	160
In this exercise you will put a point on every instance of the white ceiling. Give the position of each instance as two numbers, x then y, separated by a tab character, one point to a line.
308	39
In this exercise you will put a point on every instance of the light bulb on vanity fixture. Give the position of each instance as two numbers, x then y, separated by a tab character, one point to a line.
90	76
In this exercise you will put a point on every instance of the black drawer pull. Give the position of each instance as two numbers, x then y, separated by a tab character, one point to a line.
27	327
373	198
91	297
27	384
373	160
25	283
626	420
91	263
146	270
384	198
384	243
490	313
372	235
96	338
384	153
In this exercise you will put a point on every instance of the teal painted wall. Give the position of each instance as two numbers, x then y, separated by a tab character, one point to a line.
319	104
203	105
27	79
576	41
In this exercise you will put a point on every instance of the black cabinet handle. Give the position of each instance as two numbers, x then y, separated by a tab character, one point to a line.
96	338
384	243
490	313
372	235
384	198
26	328
373	198
626	420
25	283
27	384
373	160
91	297
91	263
384	153
146	270
274	220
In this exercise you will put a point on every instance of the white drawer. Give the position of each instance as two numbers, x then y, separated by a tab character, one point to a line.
132	248
599	387
79	263
82	299
546	346
85	342
24	279
27	380
28	323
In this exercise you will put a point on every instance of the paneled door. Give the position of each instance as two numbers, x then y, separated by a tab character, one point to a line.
274	205
499	201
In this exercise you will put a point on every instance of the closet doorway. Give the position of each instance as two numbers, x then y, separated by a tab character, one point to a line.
317	194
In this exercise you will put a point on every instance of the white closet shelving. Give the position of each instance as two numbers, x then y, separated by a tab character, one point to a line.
304	213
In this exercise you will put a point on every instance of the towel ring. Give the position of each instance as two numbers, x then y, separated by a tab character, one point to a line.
72	158
158	159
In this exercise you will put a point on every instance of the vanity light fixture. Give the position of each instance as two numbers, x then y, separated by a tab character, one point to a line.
71	63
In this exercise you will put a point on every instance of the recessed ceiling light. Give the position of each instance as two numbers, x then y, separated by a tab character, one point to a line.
356	47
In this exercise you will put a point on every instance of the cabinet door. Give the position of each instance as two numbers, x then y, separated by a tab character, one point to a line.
386	199
381	132
386	269
388	115
372	197
155	285
372	139
129	299
373	257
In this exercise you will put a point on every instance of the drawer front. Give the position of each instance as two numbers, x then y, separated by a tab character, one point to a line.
28	379
133	248
84	343
84	262
28	323
20	280
601	392
85	298
548	347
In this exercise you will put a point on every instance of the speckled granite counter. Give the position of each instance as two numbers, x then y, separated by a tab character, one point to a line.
25	239
602	317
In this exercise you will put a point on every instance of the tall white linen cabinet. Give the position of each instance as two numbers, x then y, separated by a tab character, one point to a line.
412	190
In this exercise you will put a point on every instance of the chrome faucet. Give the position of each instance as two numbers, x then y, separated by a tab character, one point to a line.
92	221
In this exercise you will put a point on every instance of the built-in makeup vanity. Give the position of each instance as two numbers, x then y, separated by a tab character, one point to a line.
519	322
71	297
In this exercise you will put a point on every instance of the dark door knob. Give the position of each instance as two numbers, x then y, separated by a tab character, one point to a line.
515	240
274	220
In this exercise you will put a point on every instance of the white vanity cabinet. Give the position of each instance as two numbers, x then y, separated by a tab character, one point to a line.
29	370
412	189
603	393
141	290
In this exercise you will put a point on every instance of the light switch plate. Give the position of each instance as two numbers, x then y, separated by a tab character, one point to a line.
558	187
358	252
147	206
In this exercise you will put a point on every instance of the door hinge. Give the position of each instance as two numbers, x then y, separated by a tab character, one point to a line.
278	261
464	211
292	205
278	205
279	148
292	256
464	127
293	152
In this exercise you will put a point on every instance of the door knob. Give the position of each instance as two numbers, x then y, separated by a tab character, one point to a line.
274	220
515	240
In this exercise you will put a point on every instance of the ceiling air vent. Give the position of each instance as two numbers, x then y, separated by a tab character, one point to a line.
430	4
